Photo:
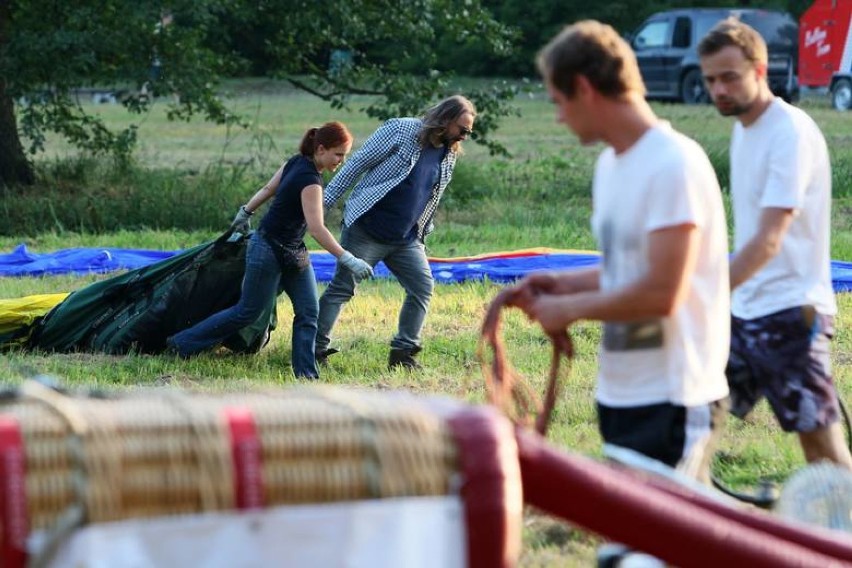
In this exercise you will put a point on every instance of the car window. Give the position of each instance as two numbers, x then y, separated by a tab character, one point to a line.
777	29
652	34
704	24
682	36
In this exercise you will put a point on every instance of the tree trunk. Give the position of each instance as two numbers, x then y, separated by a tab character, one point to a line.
15	169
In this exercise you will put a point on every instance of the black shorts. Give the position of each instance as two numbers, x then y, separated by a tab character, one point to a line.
784	357
678	436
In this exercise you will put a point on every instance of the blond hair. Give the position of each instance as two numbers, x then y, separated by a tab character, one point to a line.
595	51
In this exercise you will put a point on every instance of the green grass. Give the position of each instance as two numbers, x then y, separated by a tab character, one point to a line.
539	197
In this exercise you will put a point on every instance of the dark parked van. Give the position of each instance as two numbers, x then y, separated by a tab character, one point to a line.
666	47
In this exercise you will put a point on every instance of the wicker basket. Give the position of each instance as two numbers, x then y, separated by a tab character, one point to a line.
156	453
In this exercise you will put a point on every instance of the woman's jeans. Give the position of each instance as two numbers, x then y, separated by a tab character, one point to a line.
262	283
406	261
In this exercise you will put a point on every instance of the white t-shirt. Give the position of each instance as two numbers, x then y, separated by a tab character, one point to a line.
663	180
781	160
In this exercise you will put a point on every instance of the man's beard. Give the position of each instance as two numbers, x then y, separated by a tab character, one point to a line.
733	108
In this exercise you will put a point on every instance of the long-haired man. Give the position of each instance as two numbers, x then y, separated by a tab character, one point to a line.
399	176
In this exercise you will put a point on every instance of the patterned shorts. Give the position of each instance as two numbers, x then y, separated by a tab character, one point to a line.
784	357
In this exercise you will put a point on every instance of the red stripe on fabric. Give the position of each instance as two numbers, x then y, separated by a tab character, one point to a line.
14	524
247	459
522	253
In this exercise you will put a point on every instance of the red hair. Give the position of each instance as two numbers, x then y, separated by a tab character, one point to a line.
329	135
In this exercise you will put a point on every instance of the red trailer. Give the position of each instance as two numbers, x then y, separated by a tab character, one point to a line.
825	50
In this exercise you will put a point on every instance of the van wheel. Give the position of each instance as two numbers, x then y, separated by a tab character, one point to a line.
692	90
841	95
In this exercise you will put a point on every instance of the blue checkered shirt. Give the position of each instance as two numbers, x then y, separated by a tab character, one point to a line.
382	163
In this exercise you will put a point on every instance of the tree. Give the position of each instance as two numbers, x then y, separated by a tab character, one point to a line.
15	167
537	21
50	50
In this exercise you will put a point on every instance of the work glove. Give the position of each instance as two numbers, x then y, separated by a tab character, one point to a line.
242	222
359	267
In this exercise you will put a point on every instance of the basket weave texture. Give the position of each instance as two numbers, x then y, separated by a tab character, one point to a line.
158	453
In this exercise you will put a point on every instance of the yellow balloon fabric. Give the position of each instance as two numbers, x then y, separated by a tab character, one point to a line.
21	312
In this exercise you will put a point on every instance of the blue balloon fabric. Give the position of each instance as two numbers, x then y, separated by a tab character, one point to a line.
22	262
497	267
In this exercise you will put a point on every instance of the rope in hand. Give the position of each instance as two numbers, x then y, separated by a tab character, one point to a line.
506	389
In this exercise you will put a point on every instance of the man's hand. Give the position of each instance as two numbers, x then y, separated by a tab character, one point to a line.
359	267
532	286
242	221
555	313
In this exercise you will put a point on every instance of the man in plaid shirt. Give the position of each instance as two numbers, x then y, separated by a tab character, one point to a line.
399	176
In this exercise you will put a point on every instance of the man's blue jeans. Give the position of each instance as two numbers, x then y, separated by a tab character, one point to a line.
262	283
407	262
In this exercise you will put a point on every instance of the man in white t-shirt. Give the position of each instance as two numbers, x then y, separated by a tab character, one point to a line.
783	303
662	290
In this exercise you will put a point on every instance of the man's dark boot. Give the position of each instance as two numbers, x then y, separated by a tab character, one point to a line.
404	358
322	355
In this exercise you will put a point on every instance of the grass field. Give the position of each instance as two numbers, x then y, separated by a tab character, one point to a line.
538	197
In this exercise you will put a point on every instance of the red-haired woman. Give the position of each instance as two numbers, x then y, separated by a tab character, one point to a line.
277	259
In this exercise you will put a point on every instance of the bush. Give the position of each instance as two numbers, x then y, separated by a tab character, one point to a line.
91	197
